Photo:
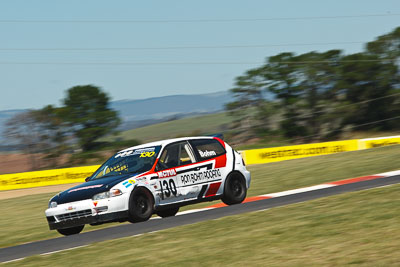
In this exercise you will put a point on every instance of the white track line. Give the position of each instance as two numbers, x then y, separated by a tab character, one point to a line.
193	211
392	173
56	251
300	190
12	260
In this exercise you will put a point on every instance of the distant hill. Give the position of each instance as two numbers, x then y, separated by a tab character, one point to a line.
5	115
199	125
170	107
142	112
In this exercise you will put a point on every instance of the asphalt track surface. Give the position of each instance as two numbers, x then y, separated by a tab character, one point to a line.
126	230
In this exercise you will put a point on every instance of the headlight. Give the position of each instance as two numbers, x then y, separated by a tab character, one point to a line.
53	204
108	194
101	196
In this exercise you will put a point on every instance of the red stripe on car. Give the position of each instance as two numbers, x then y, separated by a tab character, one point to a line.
220	161
221	141
213	189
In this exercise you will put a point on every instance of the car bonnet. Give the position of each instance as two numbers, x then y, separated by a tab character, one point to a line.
88	189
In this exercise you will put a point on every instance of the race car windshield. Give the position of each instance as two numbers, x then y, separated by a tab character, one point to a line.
129	161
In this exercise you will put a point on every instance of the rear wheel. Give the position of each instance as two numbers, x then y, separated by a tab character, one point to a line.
235	189
140	206
71	231
168	212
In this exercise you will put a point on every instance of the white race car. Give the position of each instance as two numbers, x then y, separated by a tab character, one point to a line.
157	177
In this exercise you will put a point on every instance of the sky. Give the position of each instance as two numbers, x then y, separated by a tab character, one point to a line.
142	49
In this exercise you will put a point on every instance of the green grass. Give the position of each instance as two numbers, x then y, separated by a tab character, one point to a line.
25	220
360	228
201	125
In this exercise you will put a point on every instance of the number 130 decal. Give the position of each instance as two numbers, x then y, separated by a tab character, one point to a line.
168	188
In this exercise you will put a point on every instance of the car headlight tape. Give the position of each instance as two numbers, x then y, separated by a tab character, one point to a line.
115	192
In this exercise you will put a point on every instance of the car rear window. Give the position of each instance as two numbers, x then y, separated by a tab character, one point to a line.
207	148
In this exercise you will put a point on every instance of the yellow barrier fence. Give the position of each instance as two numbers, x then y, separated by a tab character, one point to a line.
253	156
44	178
378	142
266	155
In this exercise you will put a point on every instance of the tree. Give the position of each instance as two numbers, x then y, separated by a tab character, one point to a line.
386	46
281	76
319	95
318	78
369	84
38	131
86	110
24	130
249	108
54	132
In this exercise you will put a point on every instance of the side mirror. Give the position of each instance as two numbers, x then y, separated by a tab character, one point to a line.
87	179
157	168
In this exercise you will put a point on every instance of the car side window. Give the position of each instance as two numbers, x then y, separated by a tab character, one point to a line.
207	148
186	155
175	155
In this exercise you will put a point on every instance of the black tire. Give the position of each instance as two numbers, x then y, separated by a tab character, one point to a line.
141	206
235	189
168	212
71	231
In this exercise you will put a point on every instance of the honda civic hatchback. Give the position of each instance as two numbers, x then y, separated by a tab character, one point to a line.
154	178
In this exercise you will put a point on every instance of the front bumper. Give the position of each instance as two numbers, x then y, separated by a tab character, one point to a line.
88	212
91	219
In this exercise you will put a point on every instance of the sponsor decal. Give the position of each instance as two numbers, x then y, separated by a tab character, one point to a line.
206	154
265	155
128	183
168	188
124	154
199	177
303	151
147	154
166	173
143	151
86	187
379	144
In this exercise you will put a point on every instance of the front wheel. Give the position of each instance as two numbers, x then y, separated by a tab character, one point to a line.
167	212
71	231
140	206
235	189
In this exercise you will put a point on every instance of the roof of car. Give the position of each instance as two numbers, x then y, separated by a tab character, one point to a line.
166	142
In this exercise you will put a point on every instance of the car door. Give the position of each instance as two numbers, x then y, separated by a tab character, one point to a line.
173	158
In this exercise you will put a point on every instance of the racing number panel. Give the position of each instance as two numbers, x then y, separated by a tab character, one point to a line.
173	156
